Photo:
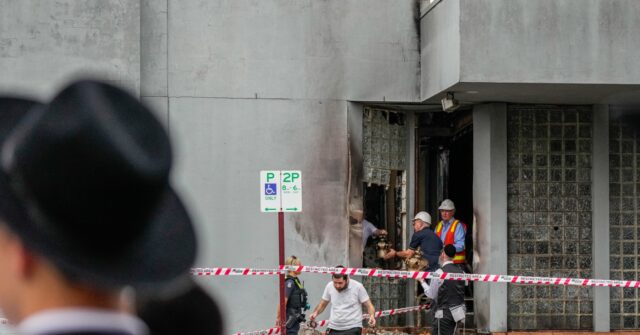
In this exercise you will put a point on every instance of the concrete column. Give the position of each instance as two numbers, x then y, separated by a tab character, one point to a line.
411	204
490	214
411	174
356	171
600	205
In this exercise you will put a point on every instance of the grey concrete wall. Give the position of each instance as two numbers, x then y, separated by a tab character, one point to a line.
531	51
222	145
44	44
490	214
153	54
550	41
330	49
440	48
154	48
257	85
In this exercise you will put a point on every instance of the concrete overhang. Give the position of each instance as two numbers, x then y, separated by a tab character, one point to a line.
535	93
521	51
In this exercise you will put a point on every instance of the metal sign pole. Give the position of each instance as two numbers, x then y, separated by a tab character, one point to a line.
283	315
281	191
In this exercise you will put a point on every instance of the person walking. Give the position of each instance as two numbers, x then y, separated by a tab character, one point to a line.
347	297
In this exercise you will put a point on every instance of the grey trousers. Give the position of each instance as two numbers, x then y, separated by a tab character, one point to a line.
445	325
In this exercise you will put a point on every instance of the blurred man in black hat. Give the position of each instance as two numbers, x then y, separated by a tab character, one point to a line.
86	208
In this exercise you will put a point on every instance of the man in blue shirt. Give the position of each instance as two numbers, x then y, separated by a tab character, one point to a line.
452	231
423	238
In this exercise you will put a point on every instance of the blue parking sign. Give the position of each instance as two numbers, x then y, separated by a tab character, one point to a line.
270	189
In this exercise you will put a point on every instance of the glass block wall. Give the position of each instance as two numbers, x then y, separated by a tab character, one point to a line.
549	214
385	293
624	189
384	145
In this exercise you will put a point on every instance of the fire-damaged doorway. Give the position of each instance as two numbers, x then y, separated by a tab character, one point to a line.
444	170
385	147
444	145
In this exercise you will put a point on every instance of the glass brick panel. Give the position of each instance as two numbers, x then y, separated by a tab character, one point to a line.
550	214
384	145
624	193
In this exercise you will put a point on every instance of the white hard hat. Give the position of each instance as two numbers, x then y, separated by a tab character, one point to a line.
447	205
424	217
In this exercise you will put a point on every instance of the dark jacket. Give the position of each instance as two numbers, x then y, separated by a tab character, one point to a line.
296	295
451	292
430	245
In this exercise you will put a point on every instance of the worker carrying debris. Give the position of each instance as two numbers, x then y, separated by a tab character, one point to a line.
423	241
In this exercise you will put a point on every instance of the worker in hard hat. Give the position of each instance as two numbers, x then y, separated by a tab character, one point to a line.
452	231
423	238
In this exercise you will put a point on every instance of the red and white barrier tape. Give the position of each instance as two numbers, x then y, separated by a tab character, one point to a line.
399	311
323	323
419	275
234	272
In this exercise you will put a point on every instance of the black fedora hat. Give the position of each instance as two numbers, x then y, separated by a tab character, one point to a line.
91	169
12	111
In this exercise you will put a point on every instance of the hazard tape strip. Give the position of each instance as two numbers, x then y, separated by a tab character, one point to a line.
324	323
419	275
234	272
465	276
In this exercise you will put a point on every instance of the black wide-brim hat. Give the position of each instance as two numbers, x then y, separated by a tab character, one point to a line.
88	179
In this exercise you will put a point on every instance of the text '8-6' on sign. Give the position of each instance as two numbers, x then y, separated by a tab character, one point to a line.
281	191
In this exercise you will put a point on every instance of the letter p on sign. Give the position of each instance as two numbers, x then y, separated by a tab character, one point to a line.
270	176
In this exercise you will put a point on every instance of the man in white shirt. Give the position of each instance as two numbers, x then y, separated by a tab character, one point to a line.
347	297
86	208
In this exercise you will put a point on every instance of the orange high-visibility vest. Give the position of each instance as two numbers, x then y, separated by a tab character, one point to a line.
460	257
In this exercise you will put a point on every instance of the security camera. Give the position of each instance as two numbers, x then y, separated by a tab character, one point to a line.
449	104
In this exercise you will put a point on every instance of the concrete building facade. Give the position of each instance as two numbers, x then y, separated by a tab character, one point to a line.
249	85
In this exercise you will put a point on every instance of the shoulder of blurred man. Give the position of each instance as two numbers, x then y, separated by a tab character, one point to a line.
70	321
